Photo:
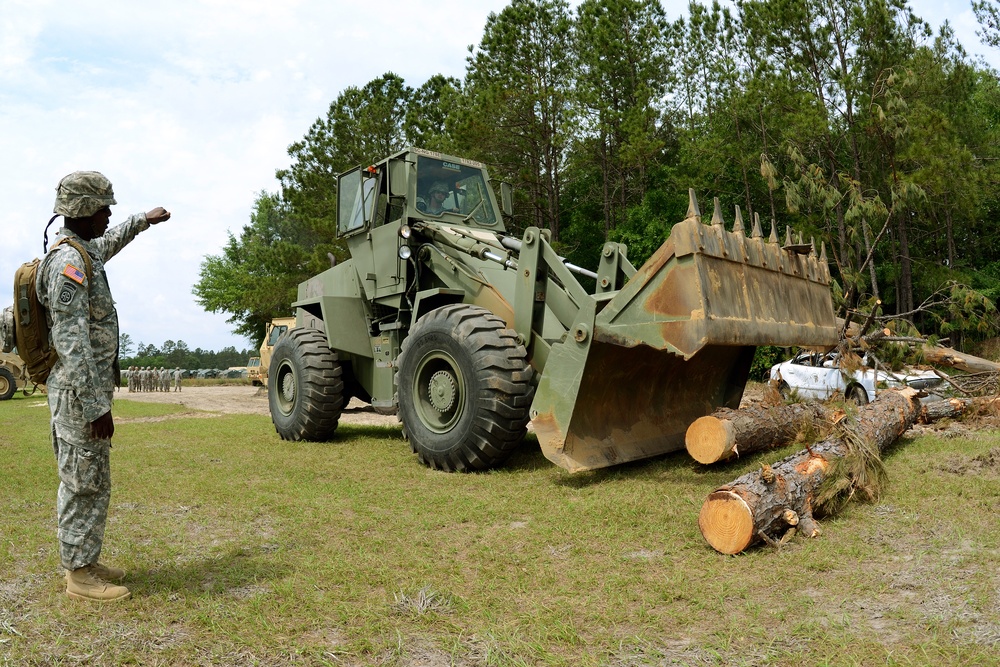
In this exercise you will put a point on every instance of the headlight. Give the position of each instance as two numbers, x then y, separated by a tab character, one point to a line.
405	251
405	231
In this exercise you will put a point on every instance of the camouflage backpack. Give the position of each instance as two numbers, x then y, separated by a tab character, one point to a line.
31	326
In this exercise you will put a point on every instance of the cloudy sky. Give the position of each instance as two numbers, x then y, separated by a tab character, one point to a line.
191	105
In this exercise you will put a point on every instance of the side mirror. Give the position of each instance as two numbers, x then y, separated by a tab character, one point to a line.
397	178
507	199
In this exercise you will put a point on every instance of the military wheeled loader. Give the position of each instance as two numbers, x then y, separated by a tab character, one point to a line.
469	332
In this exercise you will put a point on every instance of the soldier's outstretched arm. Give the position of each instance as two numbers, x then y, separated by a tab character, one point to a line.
121	235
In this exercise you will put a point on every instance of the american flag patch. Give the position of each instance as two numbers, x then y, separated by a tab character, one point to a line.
73	273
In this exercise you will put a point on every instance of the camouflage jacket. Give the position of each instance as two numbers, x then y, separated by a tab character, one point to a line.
82	318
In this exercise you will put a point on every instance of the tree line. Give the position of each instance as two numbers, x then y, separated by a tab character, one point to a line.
854	122
177	354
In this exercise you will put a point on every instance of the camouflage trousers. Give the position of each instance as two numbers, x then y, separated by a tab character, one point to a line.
84	483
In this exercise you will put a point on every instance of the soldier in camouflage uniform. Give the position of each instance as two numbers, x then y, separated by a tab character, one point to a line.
177	378
84	332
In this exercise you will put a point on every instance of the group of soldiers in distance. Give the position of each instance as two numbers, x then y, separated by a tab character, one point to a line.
145	378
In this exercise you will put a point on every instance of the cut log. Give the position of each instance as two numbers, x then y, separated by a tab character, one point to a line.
727	433
765	505
945	356
935	410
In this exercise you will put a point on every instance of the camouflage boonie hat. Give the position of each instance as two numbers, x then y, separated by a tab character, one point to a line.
82	194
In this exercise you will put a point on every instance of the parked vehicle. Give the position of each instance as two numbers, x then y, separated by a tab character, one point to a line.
276	328
254	372
13	376
813	375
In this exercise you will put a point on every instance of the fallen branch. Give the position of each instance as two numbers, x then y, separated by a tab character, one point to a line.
945	356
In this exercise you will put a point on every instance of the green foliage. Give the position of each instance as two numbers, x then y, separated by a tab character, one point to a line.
986	281
256	277
851	122
178	355
764	358
519	115
988	14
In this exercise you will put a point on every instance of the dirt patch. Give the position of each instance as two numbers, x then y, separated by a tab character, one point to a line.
237	400
988	463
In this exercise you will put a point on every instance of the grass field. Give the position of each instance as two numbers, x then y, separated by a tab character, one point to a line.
246	550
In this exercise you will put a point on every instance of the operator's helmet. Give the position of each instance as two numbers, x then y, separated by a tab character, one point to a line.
82	194
439	186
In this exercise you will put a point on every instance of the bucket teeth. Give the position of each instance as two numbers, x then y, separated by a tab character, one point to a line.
788	236
738	223
756	233
693	211
717	213
812	246
822	251
800	238
774	231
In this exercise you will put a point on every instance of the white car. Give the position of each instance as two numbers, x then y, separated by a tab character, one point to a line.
817	375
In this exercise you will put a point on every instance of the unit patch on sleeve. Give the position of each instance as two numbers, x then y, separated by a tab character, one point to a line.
74	273
67	293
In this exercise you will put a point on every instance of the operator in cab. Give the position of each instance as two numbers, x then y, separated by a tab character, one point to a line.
436	196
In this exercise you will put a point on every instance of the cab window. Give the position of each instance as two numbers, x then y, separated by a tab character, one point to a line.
465	190
355	201
276	333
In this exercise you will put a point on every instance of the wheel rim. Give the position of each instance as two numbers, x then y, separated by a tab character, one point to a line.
4	385
438	392
284	388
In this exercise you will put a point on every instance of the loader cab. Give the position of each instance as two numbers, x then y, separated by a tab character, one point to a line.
400	188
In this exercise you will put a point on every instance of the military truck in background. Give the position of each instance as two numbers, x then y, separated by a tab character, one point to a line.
470	331
13	376
253	371
276	328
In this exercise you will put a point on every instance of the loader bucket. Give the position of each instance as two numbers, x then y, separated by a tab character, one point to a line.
676	342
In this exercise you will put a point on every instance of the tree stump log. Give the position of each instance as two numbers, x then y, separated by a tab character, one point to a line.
771	503
727	433
952	407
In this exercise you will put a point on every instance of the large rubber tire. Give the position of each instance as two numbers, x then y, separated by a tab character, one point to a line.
304	390
784	391
464	388
8	385
857	394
